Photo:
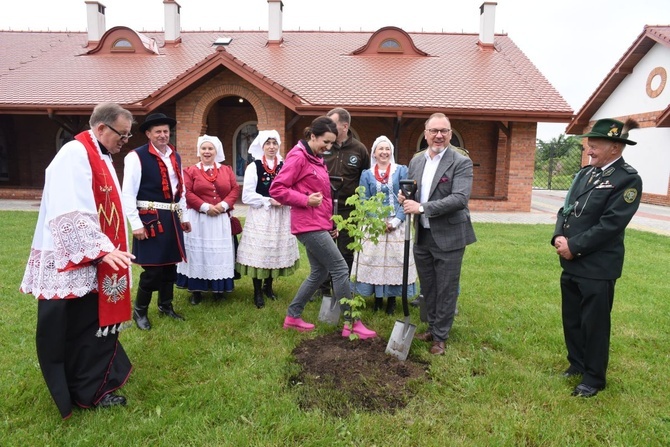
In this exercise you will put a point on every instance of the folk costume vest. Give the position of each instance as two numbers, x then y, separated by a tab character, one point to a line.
165	242
265	178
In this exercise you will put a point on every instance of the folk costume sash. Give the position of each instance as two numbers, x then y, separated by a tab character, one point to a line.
165	179
114	306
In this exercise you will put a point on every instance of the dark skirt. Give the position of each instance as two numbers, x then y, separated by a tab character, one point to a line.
205	285
78	367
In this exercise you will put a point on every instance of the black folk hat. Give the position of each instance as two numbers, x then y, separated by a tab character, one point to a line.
156	119
611	129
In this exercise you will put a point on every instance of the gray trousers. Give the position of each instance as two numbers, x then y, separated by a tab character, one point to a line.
324	258
440	274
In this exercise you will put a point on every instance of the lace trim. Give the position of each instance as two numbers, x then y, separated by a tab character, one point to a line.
43	279
76	237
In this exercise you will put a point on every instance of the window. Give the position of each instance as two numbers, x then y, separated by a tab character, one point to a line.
390	45
62	137
123	45
242	139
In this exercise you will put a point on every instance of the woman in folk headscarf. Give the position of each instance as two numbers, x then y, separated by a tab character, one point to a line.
211	193
379	267
267	249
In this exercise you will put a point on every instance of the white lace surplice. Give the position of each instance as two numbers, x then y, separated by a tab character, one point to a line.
68	229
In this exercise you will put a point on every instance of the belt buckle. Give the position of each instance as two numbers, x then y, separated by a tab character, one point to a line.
151	205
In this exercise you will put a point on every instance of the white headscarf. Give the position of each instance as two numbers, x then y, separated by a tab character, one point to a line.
220	156
256	148
373	159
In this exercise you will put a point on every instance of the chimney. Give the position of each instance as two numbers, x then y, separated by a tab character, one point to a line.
487	19
172	21
275	26
95	19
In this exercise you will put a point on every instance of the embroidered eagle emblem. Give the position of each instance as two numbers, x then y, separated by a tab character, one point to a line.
114	287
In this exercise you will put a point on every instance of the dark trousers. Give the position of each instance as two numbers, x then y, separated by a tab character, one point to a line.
77	366
586	308
160	278
439	274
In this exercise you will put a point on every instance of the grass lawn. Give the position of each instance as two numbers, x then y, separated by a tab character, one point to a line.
222	377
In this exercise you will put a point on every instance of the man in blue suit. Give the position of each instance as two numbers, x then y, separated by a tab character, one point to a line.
443	229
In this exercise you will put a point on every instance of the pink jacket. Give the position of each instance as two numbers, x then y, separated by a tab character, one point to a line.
303	174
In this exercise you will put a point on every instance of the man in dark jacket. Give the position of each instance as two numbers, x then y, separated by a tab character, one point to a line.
589	239
154	200
347	158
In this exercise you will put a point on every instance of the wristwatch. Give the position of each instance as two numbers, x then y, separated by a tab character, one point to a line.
421	209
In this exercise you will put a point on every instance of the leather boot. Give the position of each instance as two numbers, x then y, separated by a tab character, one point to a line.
258	293
390	305
165	296
196	298
267	288
379	303
142	309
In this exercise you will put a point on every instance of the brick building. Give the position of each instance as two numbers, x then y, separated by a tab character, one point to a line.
233	83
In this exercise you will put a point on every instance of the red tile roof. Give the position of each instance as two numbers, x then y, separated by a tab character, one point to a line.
42	70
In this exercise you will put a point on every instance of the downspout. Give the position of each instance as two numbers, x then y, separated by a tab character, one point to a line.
396	129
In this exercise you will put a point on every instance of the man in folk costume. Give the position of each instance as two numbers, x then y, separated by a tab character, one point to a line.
154	200
79	268
589	240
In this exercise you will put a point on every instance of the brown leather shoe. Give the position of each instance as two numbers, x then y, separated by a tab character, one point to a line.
426	336
437	348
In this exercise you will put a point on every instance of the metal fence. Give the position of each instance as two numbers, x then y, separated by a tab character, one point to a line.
555	168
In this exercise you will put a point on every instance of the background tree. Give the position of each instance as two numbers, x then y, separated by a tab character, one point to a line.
556	162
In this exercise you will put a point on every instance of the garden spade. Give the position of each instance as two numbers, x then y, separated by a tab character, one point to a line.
330	308
403	332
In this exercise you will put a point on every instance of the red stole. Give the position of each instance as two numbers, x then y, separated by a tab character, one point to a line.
114	302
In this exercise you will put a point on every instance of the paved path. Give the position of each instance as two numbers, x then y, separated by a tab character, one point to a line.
544	205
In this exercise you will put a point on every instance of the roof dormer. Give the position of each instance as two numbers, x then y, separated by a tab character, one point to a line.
122	39
390	40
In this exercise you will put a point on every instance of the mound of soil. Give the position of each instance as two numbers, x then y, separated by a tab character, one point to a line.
339	375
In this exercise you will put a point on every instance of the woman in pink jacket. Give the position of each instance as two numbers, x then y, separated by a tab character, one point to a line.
304	185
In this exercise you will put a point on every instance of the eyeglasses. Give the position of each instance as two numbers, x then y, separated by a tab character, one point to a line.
436	131
123	137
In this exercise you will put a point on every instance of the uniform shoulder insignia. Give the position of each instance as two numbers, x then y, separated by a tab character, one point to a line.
628	168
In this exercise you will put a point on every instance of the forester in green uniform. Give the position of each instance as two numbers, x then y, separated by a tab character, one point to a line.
589	240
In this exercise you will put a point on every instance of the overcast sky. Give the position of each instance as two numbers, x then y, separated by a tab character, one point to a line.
574	43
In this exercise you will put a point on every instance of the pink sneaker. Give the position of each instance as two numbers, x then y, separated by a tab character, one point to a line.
359	329
297	324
